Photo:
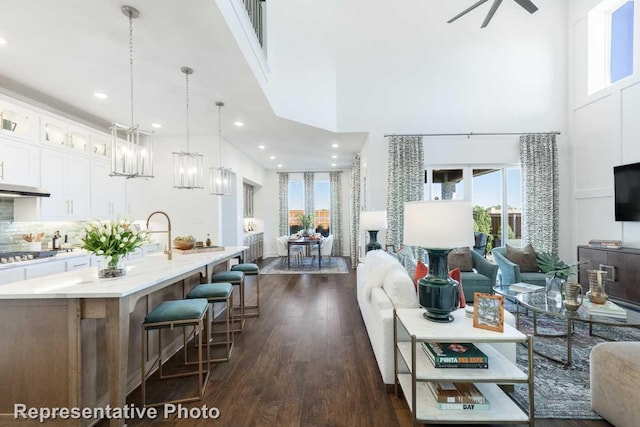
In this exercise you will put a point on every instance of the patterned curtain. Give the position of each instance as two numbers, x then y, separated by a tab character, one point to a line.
405	182
283	211
335	185
540	188
309	199
355	209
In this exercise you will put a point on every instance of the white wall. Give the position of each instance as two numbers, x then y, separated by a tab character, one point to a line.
604	131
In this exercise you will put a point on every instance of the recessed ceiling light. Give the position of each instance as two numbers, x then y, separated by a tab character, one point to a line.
279	165
272	157
262	147
3	41
99	95
335	145
239	124
333	164
156	125
335	156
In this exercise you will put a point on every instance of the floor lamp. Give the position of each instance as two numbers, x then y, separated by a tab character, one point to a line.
373	221
438	227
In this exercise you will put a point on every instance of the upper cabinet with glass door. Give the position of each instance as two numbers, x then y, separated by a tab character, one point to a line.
64	134
17	122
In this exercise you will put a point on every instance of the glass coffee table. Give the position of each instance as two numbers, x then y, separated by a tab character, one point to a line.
538	303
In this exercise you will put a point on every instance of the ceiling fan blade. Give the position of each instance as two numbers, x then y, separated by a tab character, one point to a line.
464	12
528	5
492	12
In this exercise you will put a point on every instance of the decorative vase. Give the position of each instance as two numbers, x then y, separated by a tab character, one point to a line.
305	233
555	289
438	293
117	267
208	241
596	292
572	290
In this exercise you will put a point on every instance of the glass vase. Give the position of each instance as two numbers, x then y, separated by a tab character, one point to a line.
555	290
116	267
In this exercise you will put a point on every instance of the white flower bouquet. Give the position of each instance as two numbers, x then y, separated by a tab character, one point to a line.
113	240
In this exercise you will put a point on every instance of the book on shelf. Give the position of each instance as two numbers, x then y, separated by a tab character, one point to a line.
464	406
525	287
608	244
608	309
447	392
455	355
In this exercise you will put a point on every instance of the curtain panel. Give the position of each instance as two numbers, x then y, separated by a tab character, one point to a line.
335	221
540	191
405	182
283	205
309	199
355	209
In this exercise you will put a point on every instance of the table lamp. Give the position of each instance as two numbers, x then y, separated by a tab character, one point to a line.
373	221
438	227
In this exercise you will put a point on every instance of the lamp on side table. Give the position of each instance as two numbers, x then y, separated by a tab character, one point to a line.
438	227
373	221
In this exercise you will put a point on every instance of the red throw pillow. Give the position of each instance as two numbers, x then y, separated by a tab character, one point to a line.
455	275
421	271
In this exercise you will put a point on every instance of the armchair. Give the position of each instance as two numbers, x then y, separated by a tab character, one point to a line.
510	272
482	279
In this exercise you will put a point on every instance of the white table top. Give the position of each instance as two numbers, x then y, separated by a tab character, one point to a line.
141	274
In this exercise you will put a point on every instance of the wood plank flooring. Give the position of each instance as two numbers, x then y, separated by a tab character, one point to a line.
306	361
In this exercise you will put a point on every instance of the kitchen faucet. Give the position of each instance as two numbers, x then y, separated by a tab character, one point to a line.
168	231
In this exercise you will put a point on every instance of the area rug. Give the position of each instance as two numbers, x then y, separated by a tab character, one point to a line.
562	392
337	265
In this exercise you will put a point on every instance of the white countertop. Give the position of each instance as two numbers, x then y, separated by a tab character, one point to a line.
141	274
59	256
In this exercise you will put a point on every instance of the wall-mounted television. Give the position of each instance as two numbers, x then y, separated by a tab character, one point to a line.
626	180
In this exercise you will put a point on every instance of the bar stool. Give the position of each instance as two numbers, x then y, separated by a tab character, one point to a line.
217	292
235	278
250	269
170	314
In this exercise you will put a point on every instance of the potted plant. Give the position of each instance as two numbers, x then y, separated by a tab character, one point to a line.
306	222
557	272
184	242
112	240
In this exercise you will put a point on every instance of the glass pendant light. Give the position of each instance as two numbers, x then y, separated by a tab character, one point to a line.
187	166
220	177
131	147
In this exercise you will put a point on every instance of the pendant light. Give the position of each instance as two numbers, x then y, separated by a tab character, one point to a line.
131	147
187	166
220	177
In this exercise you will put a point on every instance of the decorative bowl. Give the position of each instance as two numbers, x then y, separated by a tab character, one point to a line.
184	244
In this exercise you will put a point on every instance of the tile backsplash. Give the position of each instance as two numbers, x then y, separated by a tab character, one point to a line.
11	232
6	209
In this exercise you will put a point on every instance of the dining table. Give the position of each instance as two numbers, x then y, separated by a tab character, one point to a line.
309	243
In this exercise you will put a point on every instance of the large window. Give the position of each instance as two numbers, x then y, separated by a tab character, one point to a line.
445	184
296	201
610	52
322	204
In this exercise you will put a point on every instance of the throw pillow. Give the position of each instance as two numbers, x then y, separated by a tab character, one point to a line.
407	259
377	264
460	258
455	275
525	258
421	271
399	288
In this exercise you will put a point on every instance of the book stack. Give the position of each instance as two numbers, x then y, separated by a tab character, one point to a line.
455	355
606	244
458	396
608	309
525	287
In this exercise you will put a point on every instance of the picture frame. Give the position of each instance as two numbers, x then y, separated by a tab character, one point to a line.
390	249
488	312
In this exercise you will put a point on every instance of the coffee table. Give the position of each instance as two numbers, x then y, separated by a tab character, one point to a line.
538	303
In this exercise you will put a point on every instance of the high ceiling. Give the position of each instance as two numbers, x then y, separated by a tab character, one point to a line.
61	52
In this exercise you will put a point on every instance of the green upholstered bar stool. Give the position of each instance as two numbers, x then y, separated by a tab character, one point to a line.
250	269
236	278
217	292
178	313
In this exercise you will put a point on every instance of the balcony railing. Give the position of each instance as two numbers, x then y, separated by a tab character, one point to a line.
256	16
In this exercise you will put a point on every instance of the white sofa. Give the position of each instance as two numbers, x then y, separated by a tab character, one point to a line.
383	282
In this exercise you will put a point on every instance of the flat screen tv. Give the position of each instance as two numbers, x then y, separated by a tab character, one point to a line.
626	180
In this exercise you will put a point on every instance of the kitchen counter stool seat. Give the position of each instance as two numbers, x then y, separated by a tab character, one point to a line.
217	292
236	278
169	315
251	269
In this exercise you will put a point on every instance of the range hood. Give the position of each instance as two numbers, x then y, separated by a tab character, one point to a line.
11	190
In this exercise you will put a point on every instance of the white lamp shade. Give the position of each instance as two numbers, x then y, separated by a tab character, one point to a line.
443	224
373	220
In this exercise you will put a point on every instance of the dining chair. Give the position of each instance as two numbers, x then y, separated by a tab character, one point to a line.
281	245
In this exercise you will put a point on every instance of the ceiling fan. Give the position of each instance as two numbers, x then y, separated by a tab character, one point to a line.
526	4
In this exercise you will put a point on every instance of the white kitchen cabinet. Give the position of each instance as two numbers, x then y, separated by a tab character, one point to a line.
107	192
78	263
152	248
11	274
45	269
18	163
17	122
59	132
101	145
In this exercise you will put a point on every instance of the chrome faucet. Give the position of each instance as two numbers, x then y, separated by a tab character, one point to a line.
168	231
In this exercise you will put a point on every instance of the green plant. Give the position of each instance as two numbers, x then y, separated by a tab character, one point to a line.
553	266
112	239
188	238
306	221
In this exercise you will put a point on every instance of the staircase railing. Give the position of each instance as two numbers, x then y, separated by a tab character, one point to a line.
256	16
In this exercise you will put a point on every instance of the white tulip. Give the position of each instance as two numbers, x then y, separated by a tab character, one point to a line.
103	239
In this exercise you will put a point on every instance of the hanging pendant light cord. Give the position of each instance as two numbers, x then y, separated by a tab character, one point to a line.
131	61
187	78
220	134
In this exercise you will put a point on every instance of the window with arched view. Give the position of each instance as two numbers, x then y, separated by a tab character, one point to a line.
321	202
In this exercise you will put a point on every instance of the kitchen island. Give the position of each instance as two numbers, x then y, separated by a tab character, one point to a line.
72	340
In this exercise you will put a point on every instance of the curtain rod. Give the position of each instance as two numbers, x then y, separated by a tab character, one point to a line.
286	171
470	134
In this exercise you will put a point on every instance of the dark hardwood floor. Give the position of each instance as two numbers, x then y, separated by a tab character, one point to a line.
306	361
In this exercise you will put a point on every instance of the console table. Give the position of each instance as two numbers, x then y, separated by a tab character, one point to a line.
622	266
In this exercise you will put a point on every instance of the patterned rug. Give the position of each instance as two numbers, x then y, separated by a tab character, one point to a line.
562	392
335	265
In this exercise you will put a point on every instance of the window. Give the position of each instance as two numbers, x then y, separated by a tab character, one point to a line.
610	51
296	201
322	195
446	184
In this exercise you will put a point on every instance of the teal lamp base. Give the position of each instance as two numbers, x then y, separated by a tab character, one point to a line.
438	293
373	241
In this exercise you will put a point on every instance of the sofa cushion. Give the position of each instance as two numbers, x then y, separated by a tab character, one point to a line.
460	258
376	265
475	282
539	279
455	275
525	258
400	289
